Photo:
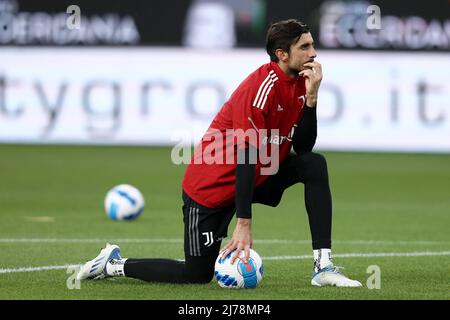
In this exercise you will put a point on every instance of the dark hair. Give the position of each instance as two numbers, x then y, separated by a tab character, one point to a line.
282	34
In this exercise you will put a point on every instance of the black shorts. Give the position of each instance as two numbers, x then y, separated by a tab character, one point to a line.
205	228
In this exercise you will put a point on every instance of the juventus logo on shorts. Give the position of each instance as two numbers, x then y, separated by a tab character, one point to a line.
209	238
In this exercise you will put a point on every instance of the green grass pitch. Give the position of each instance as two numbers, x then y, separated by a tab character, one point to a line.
385	206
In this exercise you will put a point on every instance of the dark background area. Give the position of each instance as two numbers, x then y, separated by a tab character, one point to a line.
162	23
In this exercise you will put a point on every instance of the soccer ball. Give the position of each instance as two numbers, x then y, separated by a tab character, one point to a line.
124	202
239	274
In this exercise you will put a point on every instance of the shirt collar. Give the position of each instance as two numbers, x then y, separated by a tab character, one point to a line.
281	74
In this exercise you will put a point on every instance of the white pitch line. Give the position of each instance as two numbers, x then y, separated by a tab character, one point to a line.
32	269
261	241
367	255
304	257
56	240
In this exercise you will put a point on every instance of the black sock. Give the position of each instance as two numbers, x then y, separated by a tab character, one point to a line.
158	270
319	203
318	206
193	270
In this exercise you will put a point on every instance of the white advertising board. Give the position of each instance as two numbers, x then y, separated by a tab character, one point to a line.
156	96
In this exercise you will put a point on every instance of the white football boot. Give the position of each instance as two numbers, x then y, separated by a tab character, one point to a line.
96	268
331	276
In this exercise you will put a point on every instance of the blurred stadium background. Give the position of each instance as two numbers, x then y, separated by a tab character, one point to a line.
76	91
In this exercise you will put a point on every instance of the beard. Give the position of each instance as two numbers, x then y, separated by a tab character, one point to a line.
294	70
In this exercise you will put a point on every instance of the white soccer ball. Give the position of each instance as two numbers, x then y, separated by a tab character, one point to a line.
239	274
124	202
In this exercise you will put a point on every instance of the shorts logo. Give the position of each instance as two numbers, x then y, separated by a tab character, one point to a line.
209	238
